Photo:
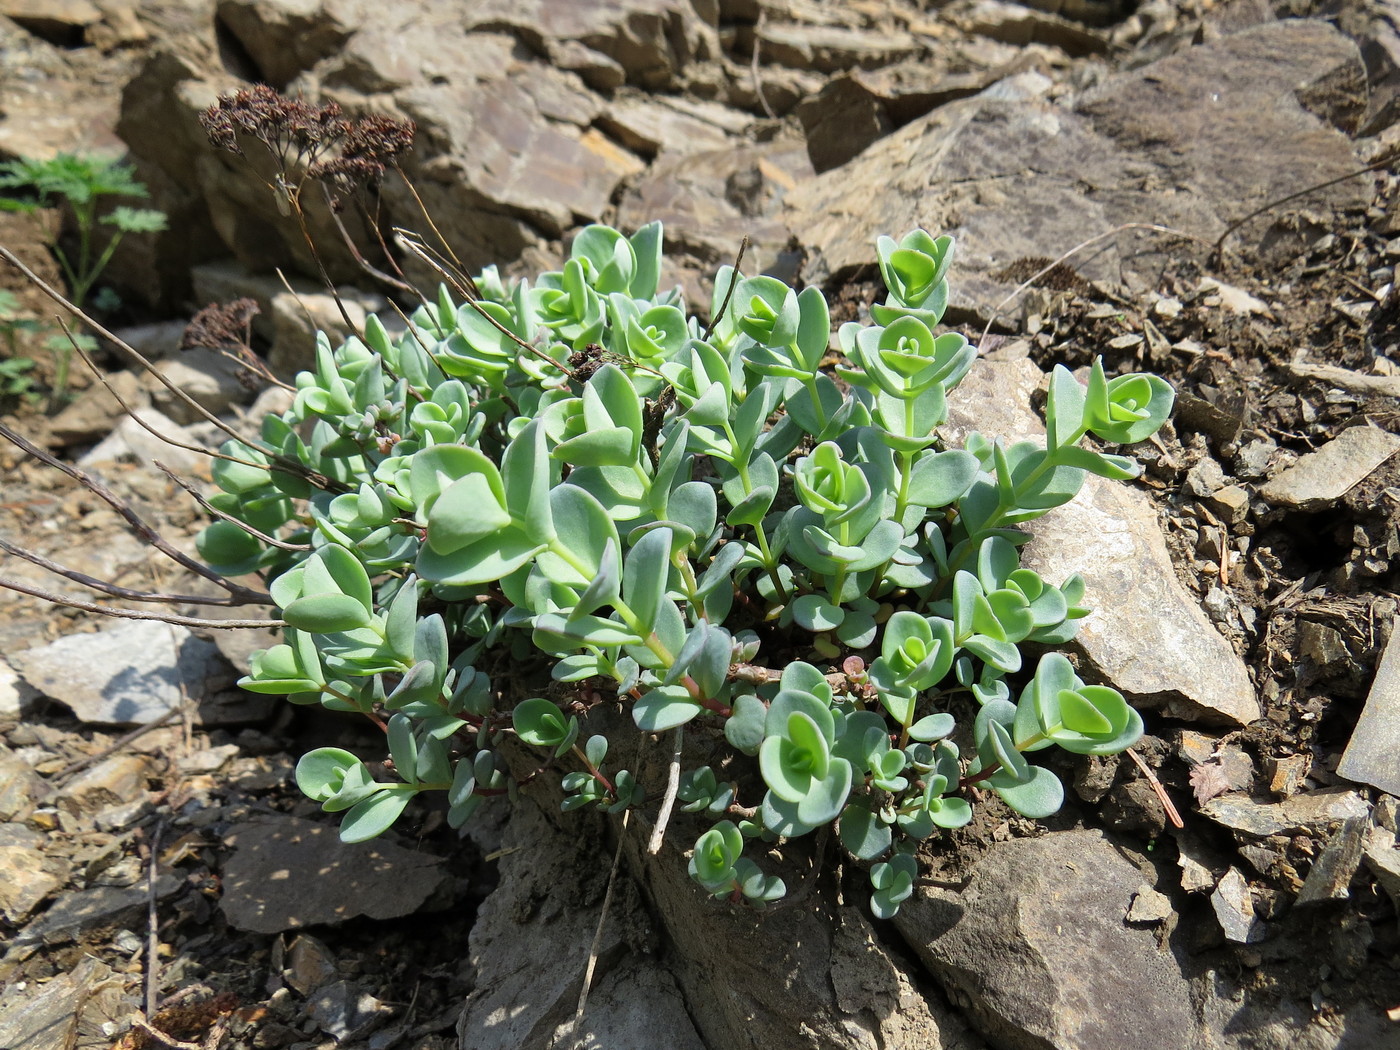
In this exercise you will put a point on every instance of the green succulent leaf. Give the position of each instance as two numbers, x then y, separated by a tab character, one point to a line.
540	722
664	707
373	816
863	834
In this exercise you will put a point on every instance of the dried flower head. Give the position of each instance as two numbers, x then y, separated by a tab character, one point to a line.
221	326
309	141
227	327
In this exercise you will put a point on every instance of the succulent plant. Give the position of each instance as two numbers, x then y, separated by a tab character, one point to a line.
577	475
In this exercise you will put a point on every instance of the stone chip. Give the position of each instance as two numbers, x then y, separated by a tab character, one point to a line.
290	872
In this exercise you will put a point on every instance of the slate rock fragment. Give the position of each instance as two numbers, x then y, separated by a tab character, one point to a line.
289	872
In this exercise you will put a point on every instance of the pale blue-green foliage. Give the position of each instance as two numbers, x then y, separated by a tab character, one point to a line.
579	469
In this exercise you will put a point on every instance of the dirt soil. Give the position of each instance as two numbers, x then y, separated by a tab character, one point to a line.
1285	579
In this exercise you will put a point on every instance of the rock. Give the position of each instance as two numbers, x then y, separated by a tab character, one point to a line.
1022	25
288	320
840	121
1370	756
840	989
1385	812
93	413
1011	945
596	69
297	318
310	965
546	172
1007	175
345	1012
120	27
1321	478
19	785
830	48
1231	503
155	340
207	376
1261	860
710	201
856	108
1195	748
1310	811
15	695
59	1011
118	779
92	908
287	873
1346	379
133	441
1222	419
1260	82
26	881
127	674
1234	909
1330	875
529	962
49	106
1236	300
1286	777
1196	865
206	760
1205	478
58	21
652	41
1383	859
286	37
649	127
561	95
1149	906
1147	635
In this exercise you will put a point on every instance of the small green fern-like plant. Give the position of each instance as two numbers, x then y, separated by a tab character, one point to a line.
702	522
82	182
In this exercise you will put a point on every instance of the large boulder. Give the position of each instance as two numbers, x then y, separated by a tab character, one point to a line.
1194	141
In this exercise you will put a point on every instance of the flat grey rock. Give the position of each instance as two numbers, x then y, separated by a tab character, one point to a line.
1147	635
1037	945
127	674
117	780
1321	478
1149	905
1234	908
26	881
19	785
55	1013
1372	755
1330	875
1303	812
288	873
92	908
94	412
15	694
1383	859
345	1011
144	437
1019	178
205	376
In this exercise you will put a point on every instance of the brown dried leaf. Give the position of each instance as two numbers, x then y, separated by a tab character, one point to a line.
1208	780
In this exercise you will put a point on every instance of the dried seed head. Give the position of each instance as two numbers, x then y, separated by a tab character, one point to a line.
310	141
220	326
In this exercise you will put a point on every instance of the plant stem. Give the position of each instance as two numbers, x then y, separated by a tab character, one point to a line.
595	772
